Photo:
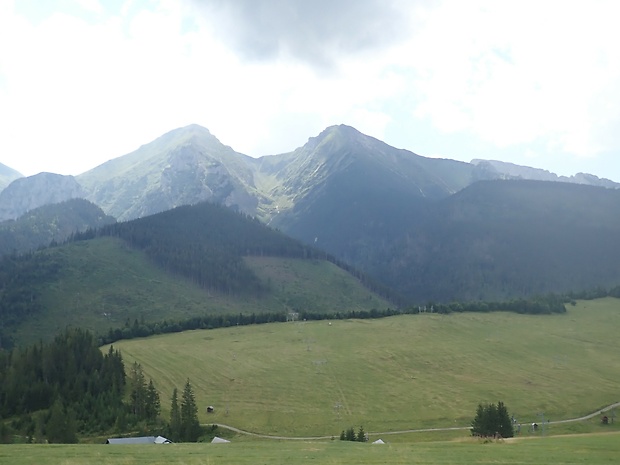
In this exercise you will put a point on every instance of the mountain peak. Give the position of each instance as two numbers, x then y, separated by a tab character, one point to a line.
183	134
340	130
336	135
190	129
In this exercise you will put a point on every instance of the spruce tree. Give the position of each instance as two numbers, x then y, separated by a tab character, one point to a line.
61	426
492	420
153	405
138	392
175	418
504	423
361	435
478	425
190	426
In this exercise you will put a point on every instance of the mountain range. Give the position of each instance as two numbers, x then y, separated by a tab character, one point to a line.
433	229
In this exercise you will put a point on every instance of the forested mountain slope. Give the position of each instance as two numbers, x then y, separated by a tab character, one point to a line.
50	223
501	239
182	263
344	190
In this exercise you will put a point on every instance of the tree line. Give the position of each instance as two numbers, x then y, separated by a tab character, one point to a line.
542	305
68	379
53	392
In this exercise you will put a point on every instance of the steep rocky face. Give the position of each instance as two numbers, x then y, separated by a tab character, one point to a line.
7	176
183	167
25	194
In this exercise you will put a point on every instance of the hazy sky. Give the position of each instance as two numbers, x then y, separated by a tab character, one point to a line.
530	82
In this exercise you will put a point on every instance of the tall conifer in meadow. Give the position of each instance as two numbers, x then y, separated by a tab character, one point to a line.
175	418
190	426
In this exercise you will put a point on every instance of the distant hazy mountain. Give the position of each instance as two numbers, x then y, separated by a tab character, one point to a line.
24	194
494	169
56	222
7	176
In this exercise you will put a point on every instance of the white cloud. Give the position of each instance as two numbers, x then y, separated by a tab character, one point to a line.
76	90
518	72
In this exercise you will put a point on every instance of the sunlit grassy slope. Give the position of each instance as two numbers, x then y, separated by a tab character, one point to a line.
103	283
404	372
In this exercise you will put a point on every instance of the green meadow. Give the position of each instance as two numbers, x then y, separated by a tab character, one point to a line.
409	372
592	449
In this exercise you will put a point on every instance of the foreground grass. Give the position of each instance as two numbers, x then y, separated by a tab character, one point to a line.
587	449
393	374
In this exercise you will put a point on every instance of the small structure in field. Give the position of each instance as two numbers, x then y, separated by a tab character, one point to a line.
140	440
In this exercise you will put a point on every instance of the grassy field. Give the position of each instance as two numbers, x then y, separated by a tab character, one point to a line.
108	283
394	374
588	449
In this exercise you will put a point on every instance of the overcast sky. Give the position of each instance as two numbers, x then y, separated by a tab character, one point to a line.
535	83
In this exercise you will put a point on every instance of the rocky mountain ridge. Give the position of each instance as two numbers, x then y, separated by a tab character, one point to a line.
189	165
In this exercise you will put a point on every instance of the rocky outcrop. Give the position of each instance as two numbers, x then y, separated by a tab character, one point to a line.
25	194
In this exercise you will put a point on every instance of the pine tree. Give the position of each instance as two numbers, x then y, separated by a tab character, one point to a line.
190	426
478	425
153	405
492	420
175	418
504	423
61	427
138	392
361	435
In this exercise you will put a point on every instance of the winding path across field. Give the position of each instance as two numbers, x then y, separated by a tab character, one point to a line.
454	428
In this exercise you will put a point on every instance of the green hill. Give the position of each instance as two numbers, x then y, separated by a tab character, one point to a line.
398	373
50	223
103	284
191	261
